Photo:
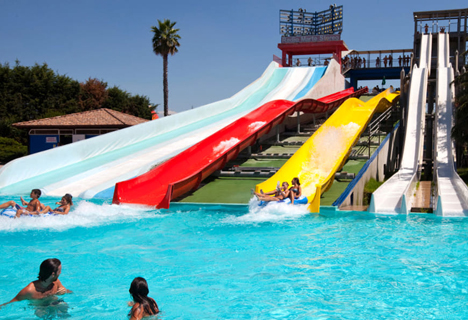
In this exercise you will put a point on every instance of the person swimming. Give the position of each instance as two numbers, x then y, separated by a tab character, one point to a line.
47	285
296	190
142	305
279	194
65	204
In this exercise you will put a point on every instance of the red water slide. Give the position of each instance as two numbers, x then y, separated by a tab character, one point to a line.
185	171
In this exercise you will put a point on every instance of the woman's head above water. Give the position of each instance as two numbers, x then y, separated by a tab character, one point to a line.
139	289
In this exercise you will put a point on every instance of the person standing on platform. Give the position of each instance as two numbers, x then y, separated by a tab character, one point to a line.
399	60
298	63
390	60
385	59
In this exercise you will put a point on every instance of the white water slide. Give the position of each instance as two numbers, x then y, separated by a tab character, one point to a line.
396	194
90	168
452	192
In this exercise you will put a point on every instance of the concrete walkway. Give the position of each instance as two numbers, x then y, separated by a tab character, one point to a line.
422	200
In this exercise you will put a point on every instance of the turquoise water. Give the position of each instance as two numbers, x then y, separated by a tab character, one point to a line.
226	262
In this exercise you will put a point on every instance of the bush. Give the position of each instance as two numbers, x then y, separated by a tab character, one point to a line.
369	189
11	149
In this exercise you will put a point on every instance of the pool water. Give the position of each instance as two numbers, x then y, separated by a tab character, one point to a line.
229	262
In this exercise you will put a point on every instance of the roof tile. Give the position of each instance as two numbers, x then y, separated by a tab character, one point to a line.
98	117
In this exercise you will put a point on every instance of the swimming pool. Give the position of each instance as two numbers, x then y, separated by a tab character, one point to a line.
222	262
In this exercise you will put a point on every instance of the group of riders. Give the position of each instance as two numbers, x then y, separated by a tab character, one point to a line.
282	192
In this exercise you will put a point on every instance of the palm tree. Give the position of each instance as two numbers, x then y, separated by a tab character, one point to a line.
165	42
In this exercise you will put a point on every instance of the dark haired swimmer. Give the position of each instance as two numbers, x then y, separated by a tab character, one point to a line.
47	285
30	207
65	204
295	190
142	305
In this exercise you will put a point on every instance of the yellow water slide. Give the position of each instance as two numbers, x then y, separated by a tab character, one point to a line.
326	151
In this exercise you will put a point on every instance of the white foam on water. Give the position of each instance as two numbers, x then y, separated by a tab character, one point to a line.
83	214
273	212
224	145
256	125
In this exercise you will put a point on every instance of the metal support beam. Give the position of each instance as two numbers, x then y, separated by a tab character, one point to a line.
298	121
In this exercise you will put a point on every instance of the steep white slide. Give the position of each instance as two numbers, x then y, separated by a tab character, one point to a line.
452	192
90	168
396	194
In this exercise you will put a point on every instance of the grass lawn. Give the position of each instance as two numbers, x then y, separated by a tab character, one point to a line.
224	190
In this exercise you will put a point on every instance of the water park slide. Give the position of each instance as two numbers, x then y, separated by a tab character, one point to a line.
90	168
452	192
185	171
396	194
316	162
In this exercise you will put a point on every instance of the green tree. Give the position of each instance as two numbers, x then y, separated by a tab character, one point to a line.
11	149
35	92
120	100
165	42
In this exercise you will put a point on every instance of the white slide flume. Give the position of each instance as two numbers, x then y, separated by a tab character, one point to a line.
396	194
451	198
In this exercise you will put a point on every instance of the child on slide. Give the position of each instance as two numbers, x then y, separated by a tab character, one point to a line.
64	207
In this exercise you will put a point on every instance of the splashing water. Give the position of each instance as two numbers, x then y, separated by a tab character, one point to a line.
273	212
256	125
224	145
327	149
83	214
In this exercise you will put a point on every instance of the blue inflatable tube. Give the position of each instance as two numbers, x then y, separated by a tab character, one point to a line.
11	213
298	201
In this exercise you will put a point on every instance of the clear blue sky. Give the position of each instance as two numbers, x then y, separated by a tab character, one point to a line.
225	45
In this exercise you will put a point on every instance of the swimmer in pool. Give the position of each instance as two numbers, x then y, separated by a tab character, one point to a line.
296	190
142	305
275	195
29	207
47	286
64	207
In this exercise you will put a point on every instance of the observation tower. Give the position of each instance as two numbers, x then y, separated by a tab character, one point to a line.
311	33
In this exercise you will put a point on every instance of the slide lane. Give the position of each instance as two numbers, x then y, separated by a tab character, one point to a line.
451	198
90	168
326	151
396	194
185	171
